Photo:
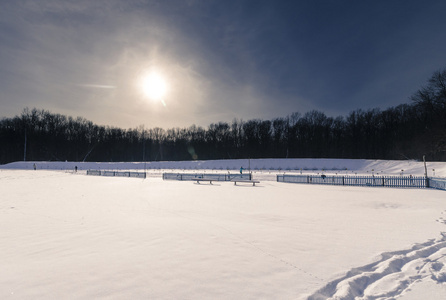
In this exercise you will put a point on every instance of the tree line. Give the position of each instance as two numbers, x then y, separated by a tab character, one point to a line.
407	131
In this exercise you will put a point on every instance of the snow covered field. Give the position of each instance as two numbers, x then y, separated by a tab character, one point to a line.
67	235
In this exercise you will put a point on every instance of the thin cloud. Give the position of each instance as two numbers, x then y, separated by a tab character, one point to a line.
97	86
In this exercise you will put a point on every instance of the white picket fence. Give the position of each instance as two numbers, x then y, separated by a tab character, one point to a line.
205	176
116	173
378	181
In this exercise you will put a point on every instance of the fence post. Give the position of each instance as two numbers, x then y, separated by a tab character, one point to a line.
427	182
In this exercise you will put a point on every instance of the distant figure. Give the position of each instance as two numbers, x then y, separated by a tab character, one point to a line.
75	169
241	170
323	176
35	167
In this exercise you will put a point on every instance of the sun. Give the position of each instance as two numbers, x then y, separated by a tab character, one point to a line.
154	86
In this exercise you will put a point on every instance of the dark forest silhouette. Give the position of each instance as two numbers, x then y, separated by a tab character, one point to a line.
407	131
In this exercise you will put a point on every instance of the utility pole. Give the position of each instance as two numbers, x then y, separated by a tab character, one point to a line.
24	150
144	147
425	168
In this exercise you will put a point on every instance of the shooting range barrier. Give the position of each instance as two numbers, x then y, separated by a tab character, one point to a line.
204	176
437	183
382	181
117	174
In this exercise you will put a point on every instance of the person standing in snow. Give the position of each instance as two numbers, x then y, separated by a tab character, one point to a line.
241	170
35	167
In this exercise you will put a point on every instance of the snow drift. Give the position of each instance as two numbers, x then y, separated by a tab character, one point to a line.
351	166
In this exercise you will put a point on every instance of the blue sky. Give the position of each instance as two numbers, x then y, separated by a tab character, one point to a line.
220	59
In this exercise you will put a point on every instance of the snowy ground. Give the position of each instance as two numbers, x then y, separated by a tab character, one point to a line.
68	235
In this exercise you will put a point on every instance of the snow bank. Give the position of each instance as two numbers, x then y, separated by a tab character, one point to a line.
350	166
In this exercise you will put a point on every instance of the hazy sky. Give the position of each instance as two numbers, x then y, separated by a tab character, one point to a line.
221	59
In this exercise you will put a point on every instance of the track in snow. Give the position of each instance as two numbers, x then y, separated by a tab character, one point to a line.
391	275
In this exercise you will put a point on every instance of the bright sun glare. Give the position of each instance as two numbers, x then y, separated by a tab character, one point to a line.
154	86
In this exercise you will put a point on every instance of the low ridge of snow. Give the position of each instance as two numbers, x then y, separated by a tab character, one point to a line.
344	166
